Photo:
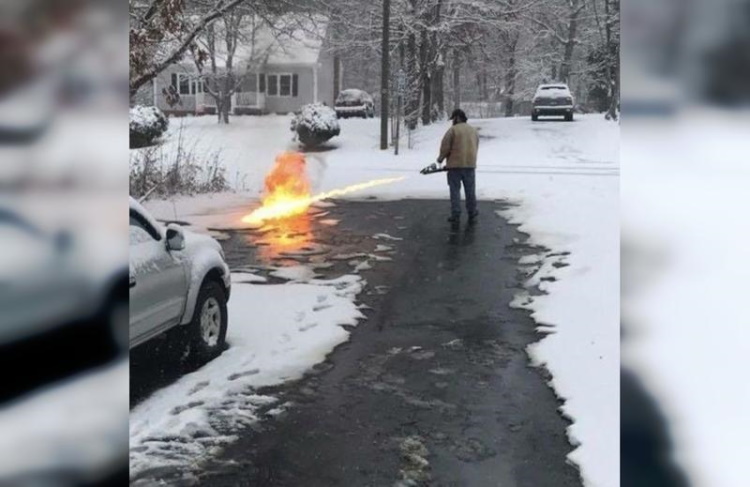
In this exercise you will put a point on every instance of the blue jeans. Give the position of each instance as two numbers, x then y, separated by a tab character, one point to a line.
455	178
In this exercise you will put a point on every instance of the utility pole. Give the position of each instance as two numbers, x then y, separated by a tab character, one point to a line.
384	75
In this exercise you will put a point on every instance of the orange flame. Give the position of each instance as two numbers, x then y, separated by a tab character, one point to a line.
287	190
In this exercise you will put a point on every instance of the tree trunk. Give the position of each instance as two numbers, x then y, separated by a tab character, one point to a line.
510	80
412	85
424	77
438	86
336	76
570	42
456	80
385	74
612	61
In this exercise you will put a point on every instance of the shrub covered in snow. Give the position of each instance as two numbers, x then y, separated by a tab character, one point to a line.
146	125
316	124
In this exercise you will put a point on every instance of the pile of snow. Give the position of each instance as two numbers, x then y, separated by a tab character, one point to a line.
146	125
316	124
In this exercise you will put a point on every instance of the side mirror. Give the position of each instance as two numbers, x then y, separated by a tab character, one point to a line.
175	238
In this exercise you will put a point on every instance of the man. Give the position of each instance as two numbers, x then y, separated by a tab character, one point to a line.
459	146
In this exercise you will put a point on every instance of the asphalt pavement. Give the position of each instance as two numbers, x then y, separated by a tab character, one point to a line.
434	387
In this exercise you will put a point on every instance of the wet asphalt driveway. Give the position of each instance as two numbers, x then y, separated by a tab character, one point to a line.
434	387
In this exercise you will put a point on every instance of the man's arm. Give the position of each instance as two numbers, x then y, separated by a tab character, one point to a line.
445	145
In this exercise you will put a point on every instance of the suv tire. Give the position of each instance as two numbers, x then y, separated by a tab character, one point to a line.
208	329
534	117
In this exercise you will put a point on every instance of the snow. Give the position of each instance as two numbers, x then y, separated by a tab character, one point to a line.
353	96
276	333
77	425
318	118
145	116
685	203
552	91
563	179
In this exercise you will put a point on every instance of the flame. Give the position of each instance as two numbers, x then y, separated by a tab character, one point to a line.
287	190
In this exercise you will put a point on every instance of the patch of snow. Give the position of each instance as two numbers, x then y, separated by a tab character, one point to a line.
295	273
385	236
276	333
77	426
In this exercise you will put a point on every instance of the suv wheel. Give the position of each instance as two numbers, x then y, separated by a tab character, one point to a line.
208	329
534	117
569	117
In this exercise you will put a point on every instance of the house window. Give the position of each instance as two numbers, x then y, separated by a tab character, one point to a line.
249	83
183	84
282	85
273	85
285	85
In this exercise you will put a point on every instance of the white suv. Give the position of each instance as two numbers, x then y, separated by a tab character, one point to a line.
554	99
177	279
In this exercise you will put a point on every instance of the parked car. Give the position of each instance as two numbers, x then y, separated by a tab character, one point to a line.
179	282
52	279
354	103
553	99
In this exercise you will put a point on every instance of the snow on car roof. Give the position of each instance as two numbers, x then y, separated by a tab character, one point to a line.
353	94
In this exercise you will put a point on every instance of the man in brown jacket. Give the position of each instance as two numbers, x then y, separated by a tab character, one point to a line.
459	146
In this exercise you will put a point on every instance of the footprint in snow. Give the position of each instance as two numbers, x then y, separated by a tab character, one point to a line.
307	326
185	407
198	387
244	374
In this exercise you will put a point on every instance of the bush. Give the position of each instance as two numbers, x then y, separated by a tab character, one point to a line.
179	169
146	125
316	124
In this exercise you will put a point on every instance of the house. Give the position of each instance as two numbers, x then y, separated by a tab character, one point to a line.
277	72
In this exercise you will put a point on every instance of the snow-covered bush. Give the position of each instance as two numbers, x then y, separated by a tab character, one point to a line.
315	124
146	125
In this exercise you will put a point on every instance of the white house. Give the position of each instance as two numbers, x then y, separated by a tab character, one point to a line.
278	74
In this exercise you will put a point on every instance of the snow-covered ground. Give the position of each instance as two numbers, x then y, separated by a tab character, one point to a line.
564	178
269	344
685	203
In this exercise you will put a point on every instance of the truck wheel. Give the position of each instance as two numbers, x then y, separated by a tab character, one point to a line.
534	117
569	117
208	330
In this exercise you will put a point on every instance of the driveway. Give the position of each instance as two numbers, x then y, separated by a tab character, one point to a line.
434	388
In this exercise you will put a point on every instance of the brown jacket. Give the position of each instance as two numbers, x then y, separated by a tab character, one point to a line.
459	146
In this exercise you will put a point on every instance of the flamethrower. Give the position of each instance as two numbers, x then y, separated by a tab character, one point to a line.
433	168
